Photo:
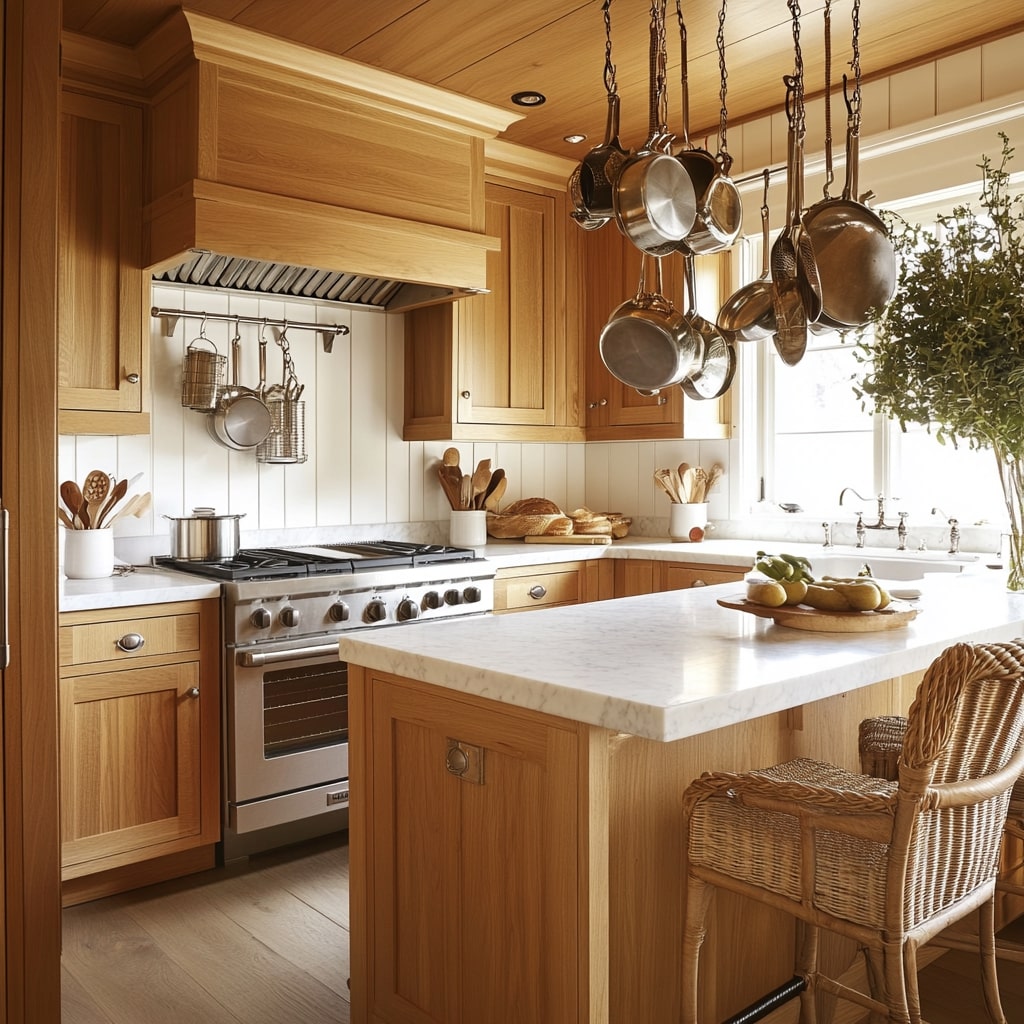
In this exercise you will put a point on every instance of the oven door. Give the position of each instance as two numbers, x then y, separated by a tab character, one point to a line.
286	718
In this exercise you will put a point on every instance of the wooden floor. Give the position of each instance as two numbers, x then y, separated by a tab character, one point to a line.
259	943
267	943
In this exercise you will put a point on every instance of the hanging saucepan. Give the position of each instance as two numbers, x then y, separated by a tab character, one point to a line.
719	213
711	376
747	315
599	169
855	256
241	419
787	303
709	334
654	200
647	343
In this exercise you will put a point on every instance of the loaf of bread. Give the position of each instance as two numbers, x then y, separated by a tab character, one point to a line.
512	526
586	522
533	507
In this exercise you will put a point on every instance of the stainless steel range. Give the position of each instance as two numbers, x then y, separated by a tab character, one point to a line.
286	692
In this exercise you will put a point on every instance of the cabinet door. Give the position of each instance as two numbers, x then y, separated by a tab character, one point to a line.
472	916
130	763
676	576
507	337
102	319
611	272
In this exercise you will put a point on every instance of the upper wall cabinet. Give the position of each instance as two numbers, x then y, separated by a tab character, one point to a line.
102	315
505	365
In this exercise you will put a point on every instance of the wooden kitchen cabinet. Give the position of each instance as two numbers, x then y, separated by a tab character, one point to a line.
503	366
528	587
635	576
103	309
139	745
468	916
614	411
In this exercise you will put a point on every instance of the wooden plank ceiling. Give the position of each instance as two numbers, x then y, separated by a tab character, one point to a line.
490	49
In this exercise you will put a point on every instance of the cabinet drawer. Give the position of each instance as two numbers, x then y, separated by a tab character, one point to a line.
521	591
90	642
678	577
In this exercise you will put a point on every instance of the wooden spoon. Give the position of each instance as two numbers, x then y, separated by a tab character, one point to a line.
481	478
71	495
664	479
493	500
496	477
65	518
466	492
451	492
95	490
688	483
117	492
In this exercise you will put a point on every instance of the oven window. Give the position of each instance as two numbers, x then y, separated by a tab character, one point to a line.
304	708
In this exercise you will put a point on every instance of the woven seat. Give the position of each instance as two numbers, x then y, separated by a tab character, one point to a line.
880	741
888	863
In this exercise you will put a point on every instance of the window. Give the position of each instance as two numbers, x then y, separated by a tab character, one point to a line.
813	438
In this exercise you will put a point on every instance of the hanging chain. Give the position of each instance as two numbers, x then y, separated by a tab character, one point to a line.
855	67
798	72
659	9
286	355
609	67
829	173
723	114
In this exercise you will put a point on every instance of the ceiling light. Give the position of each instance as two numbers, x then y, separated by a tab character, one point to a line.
528	99
574	139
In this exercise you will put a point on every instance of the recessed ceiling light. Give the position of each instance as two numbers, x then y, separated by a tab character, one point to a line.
575	138
528	99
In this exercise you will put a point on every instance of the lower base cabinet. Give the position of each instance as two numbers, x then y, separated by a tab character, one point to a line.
139	745
466	914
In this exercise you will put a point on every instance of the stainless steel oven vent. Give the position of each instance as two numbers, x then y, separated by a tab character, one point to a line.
264	277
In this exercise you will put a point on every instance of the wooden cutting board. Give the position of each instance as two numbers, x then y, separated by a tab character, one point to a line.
799	616
574	538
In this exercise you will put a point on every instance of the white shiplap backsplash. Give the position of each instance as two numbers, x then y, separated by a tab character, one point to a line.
361	479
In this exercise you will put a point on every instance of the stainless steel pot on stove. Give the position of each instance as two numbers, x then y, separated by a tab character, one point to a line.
204	536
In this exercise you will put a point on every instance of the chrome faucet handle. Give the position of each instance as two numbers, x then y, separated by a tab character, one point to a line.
828	534
954	537
861	532
901	533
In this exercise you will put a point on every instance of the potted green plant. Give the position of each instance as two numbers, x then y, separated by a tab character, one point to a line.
948	349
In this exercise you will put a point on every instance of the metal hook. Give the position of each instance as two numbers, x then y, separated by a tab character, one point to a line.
202	328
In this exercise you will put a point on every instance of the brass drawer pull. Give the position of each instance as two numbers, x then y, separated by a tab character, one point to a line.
130	642
537	592
465	761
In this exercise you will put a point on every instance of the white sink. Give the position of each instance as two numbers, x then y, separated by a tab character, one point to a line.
888	565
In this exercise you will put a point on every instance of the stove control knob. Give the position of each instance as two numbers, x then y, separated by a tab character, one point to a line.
452	597
338	612
376	611
472	595
260	618
432	599
289	617
407	609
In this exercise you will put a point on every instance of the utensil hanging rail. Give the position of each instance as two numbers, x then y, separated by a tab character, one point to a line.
170	319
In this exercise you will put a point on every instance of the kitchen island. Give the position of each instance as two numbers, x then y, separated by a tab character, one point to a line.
516	784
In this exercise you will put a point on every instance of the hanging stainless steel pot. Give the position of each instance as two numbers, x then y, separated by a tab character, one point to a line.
592	183
747	315
719	208
654	200
647	343
204	536
241	420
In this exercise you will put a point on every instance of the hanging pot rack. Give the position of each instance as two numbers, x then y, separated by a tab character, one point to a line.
170	318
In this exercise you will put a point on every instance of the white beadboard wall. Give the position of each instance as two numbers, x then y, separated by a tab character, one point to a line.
361	478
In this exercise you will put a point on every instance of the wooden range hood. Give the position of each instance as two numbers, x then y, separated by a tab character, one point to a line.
261	149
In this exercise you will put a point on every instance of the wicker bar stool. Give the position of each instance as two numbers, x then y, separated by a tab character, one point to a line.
886	863
880	741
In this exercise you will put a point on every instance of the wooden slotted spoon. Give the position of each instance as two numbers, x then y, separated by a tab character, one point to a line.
95	490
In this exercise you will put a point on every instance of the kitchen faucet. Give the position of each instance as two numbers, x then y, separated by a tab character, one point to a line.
881	524
954	530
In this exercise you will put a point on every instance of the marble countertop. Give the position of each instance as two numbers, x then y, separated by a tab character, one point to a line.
667	666
144	585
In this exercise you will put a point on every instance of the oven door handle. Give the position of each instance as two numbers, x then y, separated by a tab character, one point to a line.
253	659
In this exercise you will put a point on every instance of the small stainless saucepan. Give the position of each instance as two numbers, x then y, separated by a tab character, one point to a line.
204	536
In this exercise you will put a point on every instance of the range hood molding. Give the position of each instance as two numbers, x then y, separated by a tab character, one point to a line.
263	150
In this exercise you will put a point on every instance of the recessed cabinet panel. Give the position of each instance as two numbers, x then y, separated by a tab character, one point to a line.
102	356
